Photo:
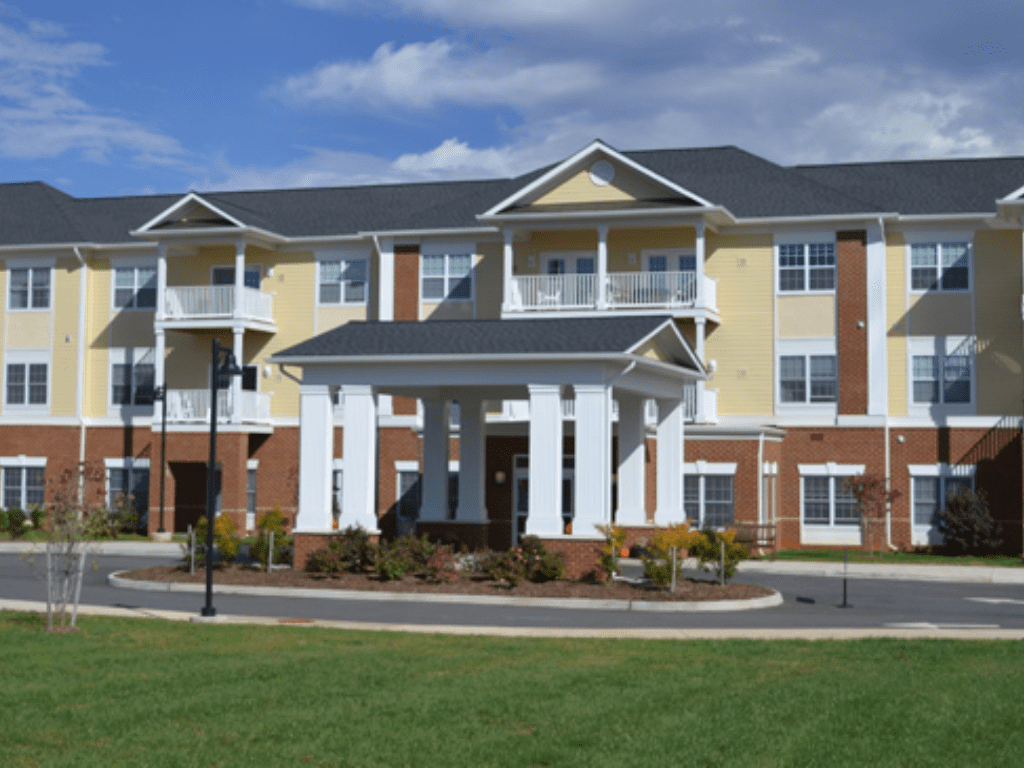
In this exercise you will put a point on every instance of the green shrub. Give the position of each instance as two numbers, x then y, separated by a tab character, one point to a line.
392	562
967	525
354	550
323	560
273	521
550	567
707	549
124	518
417	552
16	522
507	566
614	541
38	517
3	520
443	566
225	537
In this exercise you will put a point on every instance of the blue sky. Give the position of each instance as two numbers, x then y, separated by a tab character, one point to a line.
122	97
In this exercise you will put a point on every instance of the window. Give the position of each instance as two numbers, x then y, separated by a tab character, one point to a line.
226	276
447	276
27	383
132	374
135	287
342	281
30	288
828	501
250	498
942	378
24	482
709	499
807	266
928	491
126	478
940	266
808	379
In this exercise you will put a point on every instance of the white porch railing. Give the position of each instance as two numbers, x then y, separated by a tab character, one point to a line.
624	290
197	302
192	406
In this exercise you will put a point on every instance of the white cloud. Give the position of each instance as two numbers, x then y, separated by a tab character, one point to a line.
39	114
424	75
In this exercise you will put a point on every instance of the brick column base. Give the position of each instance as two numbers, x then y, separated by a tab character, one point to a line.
471	536
304	543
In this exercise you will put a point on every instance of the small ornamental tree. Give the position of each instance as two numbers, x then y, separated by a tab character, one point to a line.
873	502
966	524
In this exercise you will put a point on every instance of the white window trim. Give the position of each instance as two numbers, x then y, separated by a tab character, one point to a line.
700	470
21	462
344	256
447	250
129	463
926	346
48	263
28	357
830	533
133	264
924	535
672	254
257	268
120	356
805	348
937	238
568	257
804	239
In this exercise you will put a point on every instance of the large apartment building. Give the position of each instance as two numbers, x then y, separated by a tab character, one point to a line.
637	336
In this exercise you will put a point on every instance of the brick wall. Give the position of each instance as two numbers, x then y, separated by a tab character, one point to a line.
407	306
852	341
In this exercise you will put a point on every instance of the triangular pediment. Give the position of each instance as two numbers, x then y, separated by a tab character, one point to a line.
189	213
598	178
667	345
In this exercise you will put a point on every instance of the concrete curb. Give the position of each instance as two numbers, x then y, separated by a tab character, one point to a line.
124	548
543	632
960	574
647	606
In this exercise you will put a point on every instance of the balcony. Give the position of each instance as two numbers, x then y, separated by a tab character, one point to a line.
519	410
213	306
671	291
192	406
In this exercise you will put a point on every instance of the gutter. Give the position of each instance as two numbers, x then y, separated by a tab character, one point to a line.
80	405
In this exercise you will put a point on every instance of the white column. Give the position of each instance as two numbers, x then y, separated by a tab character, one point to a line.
316	452
435	461
472	461
545	517
161	280
699	254
359	446
386	280
699	329
593	502
670	462
602	270
236	381
506	279
878	375
632	461
159	374
239	279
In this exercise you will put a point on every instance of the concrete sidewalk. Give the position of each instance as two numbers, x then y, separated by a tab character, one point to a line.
125	548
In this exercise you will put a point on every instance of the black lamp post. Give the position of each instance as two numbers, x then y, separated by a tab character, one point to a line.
217	369
160	393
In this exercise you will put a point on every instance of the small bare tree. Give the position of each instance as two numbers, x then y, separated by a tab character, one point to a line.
76	515
874	500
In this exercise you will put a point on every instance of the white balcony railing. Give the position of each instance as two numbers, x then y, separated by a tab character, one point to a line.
519	410
192	406
623	290
200	302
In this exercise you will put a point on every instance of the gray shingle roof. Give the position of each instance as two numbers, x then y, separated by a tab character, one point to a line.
451	338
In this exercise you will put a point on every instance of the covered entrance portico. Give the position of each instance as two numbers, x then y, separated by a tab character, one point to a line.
477	364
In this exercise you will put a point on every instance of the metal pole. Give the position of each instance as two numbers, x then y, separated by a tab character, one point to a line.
270	553
672	554
846	565
163	450
721	563
208	609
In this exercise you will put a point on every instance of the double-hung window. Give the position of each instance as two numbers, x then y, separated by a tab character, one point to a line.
27	380
132	373
940	266
828	507
931	486
807	266
447	277
29	288
709	494
808	379
134	287
342	281
128	483
941	371
24	482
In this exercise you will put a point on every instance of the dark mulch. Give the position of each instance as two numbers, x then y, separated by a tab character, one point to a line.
686	589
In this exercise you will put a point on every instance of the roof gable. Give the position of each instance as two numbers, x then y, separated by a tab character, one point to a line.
192	212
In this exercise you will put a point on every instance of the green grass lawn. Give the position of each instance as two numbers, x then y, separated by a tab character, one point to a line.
895	558
136	692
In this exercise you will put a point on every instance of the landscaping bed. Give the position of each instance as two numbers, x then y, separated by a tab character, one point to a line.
686	589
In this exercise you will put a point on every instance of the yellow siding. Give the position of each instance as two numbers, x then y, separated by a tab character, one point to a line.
625	242
652	351
331	317
628	185
488	281
940	314
548	242
743	344
447	310
896	310
997	276
29	330
131	328
64	378
806	317
187	362
97	339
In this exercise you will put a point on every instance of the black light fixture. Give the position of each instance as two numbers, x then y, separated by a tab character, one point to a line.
218	369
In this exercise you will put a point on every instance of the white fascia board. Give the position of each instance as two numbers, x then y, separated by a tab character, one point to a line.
846	218
595	147
638	214
936	218
1017	196
443	232
188	199
679	338
427	359
213	235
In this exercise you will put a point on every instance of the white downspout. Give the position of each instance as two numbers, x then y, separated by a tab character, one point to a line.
80	404
888	440
760	476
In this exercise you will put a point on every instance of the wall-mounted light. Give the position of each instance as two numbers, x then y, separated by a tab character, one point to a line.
900	439
499	478
267	370
712	365
860	323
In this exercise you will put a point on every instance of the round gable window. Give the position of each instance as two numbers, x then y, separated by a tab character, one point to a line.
602	172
